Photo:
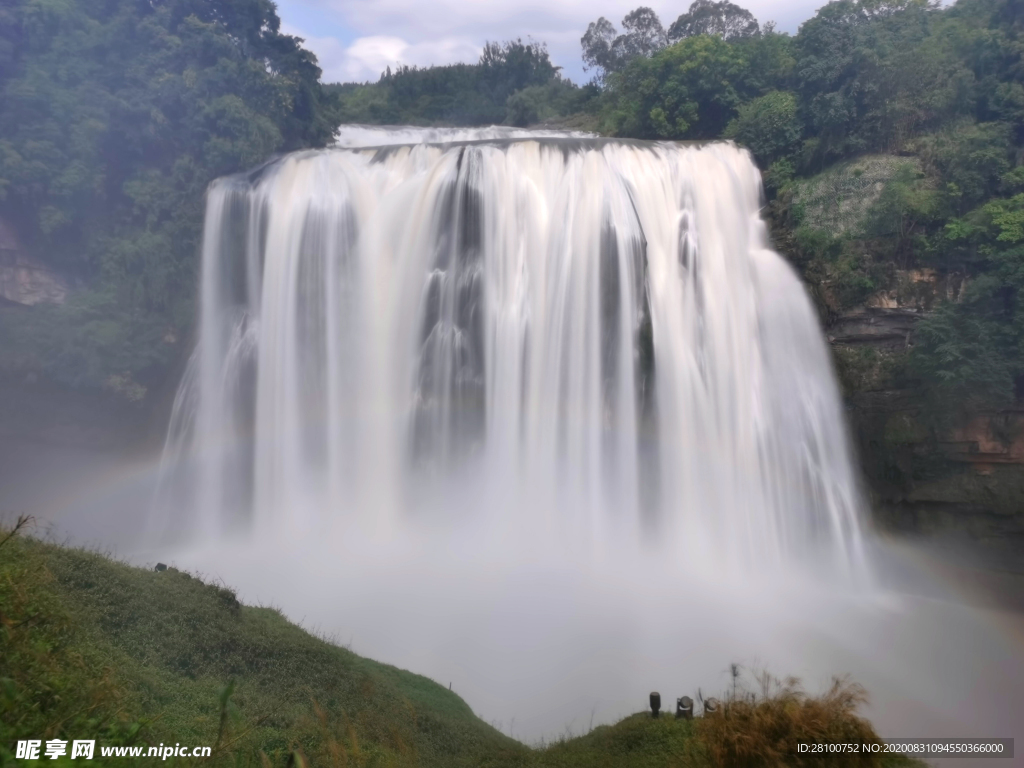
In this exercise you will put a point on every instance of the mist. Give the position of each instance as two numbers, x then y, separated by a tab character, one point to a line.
551	642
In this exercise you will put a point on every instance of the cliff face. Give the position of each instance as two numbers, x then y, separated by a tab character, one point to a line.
23	279
964	479
929	470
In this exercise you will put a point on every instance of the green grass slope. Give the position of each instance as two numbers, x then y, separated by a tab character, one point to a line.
96	649
99	649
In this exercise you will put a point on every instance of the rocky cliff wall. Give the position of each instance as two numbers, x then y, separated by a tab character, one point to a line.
23	279
963	480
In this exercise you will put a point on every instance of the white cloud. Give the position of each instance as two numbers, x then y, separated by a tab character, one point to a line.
373	54
366	57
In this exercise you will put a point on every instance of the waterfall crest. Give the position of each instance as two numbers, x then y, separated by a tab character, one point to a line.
567	339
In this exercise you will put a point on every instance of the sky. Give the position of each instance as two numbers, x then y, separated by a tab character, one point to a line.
355	40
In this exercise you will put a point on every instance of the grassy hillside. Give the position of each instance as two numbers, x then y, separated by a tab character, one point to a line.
133	656
97	649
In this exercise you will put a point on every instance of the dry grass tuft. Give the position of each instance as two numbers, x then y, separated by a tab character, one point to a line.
764	728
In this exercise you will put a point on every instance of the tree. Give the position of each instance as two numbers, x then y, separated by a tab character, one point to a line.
706	17
511	66
454	94
536	103
114	117
685	91
607	51
872	73
597	46
643	35
971	353
768	126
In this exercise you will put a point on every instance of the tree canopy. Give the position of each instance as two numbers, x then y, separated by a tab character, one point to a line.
455	94
875	78
114	117
605	50
116	114
706	17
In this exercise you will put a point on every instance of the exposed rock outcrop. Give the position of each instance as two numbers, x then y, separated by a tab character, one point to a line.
24	280
876	326
967	480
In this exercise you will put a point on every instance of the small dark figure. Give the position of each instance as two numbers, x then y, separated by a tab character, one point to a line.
161	567
684	708
655	703
711	706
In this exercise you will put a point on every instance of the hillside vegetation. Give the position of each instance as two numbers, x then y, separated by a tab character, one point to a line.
890	135
513	83
927	101
116	114
99	649
890	79
96	649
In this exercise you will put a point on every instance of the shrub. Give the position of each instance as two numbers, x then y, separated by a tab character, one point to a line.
764	729
768	126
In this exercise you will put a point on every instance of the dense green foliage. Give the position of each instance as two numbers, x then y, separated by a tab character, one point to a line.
973	350
707	17
96	649
607	51
51	684
485	93
691	89
829	114
114	117
116	114
769	126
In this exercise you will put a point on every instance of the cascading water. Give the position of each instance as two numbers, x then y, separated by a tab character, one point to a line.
544	418
594	336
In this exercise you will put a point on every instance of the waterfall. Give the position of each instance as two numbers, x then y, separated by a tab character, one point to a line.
559	339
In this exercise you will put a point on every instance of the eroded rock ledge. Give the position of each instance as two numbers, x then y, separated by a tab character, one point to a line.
23	279
965	481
